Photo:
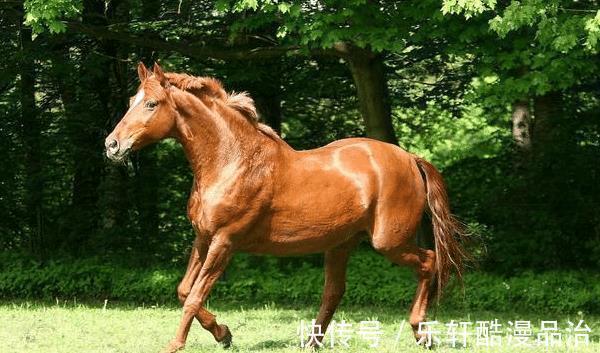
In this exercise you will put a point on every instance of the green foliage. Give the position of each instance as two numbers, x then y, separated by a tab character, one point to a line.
558	27
557	24
528	224
48	14
445	139
467	7
547	45
324	24
372	280
592	26
454	70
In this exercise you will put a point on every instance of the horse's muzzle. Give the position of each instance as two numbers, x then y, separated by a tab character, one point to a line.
114	150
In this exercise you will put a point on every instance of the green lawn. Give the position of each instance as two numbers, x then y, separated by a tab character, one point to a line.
70	327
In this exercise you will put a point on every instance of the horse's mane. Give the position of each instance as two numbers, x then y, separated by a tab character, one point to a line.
209	86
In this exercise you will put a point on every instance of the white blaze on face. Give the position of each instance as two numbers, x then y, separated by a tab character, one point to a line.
139	97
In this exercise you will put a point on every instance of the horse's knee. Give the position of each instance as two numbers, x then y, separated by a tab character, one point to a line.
182	292
191	307
421	260
428	259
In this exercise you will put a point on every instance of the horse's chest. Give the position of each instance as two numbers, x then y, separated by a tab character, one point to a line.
214	204
204	215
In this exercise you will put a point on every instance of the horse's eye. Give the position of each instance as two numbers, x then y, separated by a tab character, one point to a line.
151	104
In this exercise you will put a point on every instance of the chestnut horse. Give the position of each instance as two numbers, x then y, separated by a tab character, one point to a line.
253	193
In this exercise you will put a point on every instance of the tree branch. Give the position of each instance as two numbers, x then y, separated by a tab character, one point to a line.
191	49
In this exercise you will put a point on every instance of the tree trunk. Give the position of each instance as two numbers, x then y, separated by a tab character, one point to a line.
87	98
31	137
368	72
521	125
547	130
146	178
116	189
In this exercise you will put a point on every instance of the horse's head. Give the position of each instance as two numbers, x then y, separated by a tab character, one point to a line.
150	118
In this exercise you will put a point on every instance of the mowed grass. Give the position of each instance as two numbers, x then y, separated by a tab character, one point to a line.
69	327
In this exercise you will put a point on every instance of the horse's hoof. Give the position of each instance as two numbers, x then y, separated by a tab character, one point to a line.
173	347
422	341
227	338
313	347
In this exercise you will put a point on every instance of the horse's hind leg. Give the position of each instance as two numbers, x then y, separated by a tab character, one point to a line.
423	262
336	261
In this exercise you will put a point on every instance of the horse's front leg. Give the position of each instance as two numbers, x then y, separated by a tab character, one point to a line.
197	258
218	254
205	318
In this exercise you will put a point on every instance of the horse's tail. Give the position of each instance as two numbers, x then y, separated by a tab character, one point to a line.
448	232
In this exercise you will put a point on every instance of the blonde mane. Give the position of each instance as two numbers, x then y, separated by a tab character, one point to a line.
209	86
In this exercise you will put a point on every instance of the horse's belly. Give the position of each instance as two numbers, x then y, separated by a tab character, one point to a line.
303	242
309	230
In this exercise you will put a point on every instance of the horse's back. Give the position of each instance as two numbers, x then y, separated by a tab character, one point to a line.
383	171
386	159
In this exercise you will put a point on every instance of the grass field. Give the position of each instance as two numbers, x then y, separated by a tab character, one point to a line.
72	327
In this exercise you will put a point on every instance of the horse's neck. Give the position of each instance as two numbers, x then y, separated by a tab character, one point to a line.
213	144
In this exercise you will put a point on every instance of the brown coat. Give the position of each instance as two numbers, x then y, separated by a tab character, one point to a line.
252	192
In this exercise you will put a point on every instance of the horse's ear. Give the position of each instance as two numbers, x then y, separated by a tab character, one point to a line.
143	72
160	75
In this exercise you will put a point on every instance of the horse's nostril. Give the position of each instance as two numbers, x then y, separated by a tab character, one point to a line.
112	145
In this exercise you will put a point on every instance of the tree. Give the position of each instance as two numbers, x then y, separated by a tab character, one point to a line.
30	120
545	50
470	85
